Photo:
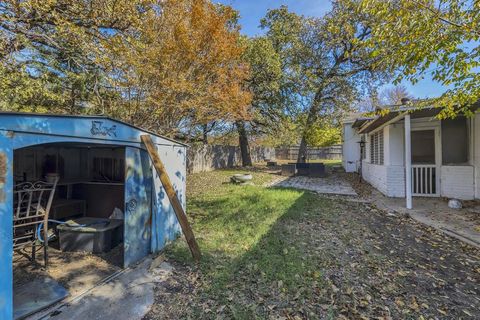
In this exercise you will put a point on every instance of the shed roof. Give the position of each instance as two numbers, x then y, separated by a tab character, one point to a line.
25	126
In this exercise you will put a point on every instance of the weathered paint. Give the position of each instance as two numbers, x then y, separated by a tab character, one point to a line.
92	128
6	226
142	192
138	200
165	226
23	140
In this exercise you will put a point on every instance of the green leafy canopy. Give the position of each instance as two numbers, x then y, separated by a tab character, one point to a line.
440	38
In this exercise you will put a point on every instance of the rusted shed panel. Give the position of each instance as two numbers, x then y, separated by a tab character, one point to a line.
138	201
6	226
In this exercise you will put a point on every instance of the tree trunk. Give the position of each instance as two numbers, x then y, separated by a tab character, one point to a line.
311	119
302	151
205	134
243	142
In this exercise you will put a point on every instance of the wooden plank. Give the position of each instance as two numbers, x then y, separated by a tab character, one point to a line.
172	196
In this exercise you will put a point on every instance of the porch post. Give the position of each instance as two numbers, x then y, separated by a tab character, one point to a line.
408	162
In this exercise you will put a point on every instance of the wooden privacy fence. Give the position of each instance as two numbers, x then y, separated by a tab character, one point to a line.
291	153
210	157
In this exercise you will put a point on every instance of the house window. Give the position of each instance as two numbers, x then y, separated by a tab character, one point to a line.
376	147
455	141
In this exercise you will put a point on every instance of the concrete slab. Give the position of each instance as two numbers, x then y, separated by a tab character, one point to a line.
36	295
127	297
463	224
333	184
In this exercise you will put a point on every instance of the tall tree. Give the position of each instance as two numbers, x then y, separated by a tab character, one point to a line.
440	38
169	65
186	69
326	59
264	83
49	51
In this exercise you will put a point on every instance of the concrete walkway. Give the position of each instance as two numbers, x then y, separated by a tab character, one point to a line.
463	224
127	297
332	184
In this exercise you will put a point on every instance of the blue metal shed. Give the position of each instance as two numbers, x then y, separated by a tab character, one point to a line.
149	220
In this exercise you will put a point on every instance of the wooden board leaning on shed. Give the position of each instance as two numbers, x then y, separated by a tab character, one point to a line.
172	196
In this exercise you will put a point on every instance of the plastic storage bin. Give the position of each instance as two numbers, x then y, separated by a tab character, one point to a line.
94	235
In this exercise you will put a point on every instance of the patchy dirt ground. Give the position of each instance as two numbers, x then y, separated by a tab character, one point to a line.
76	271
325	259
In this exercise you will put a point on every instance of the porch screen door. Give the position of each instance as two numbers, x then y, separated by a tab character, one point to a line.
424	163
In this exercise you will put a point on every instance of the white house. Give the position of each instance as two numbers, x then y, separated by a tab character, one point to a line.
408	152
351	143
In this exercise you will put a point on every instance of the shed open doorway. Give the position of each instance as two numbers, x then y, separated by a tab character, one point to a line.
86	232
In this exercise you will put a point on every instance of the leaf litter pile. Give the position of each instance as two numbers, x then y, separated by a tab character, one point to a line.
288	254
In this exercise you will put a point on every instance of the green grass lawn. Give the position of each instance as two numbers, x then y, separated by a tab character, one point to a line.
240	230
272	253
206	184
329	162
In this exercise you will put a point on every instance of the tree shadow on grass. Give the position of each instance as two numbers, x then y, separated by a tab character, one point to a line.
280	252
248	251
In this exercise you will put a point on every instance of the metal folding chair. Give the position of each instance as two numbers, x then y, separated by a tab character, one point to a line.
32	202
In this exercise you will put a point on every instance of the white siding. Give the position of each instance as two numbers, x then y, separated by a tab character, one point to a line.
394	147
389	180
476	149
376	175
387	146
396	181
351	148
462	182
457	182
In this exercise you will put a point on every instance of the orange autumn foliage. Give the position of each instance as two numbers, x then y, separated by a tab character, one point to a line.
182	68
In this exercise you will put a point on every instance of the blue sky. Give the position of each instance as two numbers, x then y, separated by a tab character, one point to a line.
251	11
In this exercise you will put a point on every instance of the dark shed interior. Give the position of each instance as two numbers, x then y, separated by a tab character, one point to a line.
89	193
91	177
